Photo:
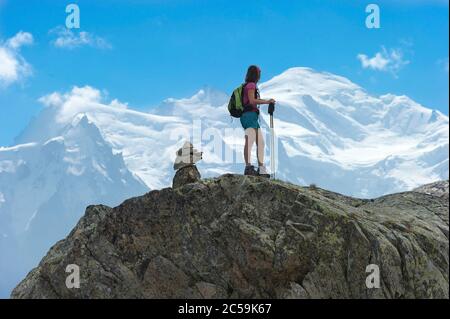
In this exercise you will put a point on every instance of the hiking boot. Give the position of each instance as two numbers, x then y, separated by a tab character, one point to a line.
250	170
262	171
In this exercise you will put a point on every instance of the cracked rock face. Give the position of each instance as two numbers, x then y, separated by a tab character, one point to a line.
249	237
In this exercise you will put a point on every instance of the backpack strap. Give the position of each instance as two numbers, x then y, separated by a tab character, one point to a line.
242	93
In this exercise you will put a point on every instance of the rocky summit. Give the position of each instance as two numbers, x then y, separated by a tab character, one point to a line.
437	189
248	237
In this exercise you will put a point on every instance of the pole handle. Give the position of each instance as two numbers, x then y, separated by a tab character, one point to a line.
271	108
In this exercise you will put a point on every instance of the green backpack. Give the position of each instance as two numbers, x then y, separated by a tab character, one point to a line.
236	105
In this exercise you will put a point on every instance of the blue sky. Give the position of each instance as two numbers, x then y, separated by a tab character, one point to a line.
142	52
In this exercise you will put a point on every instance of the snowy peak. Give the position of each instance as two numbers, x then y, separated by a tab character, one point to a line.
338	97
301	80
80	153
45	186
62	109
206	95
85	135
405	116
205	101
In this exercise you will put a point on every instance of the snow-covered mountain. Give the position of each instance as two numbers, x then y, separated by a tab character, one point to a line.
82	149
45	188
335	134
329	131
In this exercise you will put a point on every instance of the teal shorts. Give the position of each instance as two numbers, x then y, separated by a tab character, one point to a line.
249	119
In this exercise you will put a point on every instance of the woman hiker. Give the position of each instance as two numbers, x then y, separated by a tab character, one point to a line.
250	122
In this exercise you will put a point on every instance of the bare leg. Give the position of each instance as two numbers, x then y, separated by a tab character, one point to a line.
250	137
260	147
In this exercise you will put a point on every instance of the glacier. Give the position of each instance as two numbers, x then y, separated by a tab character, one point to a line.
82	149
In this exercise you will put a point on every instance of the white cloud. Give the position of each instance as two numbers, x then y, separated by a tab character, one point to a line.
117	104
68	39
53	99
79	100
378	62
20	39
13	67
86	93
386	60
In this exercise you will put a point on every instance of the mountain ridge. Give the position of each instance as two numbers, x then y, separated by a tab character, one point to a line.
321	117
240	236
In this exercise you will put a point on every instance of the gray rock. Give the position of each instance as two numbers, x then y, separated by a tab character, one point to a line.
250	237
186	175
439	189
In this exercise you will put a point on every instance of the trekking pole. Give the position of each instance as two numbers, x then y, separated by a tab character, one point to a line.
272	140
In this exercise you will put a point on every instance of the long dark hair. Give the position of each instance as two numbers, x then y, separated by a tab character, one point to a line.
253	74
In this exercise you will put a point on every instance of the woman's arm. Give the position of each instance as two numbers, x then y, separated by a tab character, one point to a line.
252	100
